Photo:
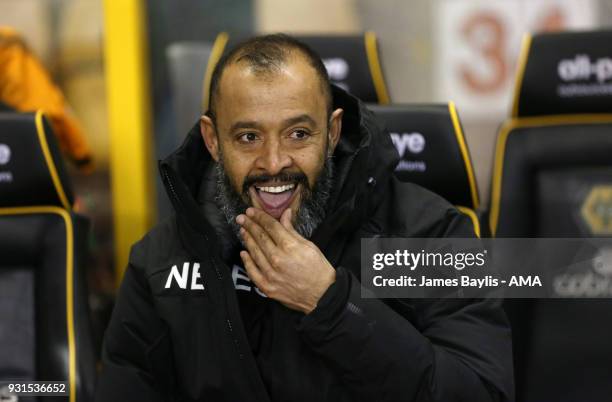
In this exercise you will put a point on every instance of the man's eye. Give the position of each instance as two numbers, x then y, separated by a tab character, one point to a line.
247	137
299	134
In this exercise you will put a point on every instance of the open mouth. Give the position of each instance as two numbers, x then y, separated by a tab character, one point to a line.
274	199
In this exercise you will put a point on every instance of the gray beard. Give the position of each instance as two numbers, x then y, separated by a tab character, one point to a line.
310	213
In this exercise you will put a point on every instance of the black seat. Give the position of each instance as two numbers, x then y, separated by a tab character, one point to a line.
352	62
553	178
433	152
45	329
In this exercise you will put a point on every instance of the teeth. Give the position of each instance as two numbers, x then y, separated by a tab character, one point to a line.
277	189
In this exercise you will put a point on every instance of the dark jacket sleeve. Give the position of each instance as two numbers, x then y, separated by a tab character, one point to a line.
413	350
136	351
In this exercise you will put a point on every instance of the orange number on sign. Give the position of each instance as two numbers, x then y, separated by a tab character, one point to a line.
553	21
491	49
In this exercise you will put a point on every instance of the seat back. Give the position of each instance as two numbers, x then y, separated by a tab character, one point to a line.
352	62
433	151
45	333
187	65
553	178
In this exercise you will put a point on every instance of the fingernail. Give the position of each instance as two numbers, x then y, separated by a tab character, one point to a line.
240	219
250	212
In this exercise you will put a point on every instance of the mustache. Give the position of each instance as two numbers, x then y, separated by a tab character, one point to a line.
297	177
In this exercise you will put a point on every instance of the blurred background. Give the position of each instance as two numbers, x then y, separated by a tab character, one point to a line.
430	51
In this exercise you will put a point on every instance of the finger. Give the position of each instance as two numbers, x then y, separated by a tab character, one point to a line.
260	236
273	227
253	270
256	253
286	221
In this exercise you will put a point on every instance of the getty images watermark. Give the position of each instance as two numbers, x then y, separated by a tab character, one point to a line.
510	268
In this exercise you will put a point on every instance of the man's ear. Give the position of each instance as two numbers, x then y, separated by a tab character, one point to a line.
335	128
209	134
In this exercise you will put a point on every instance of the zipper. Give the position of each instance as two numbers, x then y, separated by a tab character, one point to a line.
228	320
170	184
218	273
258	385
239	339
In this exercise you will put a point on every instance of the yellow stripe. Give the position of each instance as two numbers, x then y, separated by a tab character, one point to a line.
559	119
42	139
69	283
129	107
522	64
500	149
472	215
465	154
215	55
375	69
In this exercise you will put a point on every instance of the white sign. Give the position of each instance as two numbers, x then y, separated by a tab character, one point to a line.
414	142
478	42
5	154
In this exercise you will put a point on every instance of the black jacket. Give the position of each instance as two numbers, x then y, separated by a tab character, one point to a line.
170	343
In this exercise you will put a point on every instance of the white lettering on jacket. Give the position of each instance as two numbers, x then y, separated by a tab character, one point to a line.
243	282
182	278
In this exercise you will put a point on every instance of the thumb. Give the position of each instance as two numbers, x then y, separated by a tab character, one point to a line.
285	220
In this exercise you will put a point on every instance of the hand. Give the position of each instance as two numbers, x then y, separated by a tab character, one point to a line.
284	266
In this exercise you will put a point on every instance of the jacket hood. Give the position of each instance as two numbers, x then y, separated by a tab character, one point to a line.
364	161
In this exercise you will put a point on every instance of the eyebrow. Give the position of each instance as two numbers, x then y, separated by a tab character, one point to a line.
244	124
302	118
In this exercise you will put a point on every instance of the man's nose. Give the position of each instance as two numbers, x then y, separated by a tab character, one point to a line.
273	158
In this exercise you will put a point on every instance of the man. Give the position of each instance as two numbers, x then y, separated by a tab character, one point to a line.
251	291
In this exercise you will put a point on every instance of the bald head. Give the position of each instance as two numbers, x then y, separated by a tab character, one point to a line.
265	57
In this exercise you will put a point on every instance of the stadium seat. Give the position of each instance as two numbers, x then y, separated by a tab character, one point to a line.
186	64
433	152
553	178
45	328
352	62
